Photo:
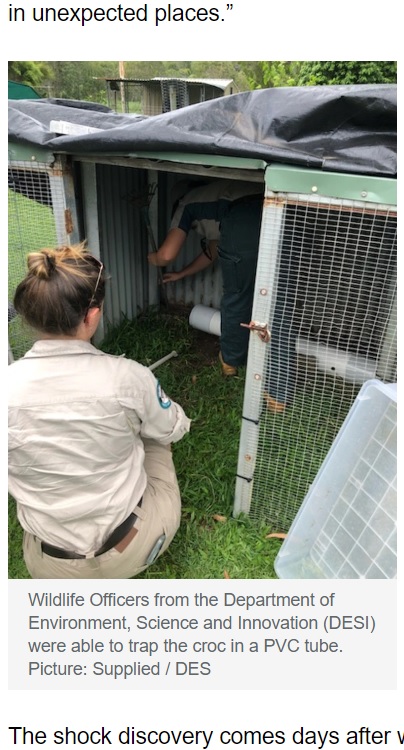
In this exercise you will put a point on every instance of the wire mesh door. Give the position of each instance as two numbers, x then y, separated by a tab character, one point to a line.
36	219
326	281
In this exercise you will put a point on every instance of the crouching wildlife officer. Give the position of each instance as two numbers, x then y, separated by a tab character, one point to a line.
90	463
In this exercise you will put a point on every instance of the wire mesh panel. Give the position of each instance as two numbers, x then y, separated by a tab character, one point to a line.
174	94
36	219
373	524
148	97
326	281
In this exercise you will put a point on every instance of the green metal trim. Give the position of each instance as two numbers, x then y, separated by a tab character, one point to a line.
235	162
22	152
364	188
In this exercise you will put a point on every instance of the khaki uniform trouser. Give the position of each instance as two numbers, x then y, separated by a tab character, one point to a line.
160	514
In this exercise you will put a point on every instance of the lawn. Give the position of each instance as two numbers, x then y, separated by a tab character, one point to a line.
210	542
30	225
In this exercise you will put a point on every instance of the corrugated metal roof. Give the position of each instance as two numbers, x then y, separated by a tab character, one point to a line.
220	83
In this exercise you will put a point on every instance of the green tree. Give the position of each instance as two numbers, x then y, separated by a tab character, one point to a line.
30	73
146	69
221	69
268	74
84	81
346	72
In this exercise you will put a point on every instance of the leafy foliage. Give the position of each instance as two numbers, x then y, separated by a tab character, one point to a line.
85	80
346	72
30	73
274	73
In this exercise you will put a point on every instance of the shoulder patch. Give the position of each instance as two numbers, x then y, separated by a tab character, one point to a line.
163	400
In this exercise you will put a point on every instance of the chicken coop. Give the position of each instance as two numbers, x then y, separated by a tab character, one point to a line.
326	271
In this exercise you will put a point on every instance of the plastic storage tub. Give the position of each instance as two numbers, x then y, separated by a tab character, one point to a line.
347	524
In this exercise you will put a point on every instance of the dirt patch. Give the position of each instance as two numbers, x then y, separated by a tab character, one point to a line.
207	345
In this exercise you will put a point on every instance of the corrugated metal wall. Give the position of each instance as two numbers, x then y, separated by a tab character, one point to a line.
115	232
204	288
123	240
115	199
107	204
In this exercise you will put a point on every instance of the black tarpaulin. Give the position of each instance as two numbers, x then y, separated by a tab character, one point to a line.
334	128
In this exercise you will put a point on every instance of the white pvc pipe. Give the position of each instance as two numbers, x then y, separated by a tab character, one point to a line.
162	360
205	319
350	367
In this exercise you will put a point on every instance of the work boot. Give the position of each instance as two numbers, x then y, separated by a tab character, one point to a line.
227	370
273	406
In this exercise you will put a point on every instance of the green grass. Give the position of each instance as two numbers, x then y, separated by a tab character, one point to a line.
31	225
292	448
206	458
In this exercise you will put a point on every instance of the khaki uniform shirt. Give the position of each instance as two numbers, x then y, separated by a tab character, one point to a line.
77	417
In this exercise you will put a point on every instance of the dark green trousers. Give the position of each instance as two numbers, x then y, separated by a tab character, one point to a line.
238	252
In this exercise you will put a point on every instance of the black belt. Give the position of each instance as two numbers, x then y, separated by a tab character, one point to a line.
120	532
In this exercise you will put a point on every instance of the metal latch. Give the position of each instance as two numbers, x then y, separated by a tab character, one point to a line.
261	328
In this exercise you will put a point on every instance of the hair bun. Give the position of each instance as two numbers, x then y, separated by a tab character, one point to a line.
49	262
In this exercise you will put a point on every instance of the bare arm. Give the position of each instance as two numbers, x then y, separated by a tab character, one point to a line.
201	262
169	249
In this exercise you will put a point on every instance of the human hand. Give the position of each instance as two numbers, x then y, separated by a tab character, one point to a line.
173	276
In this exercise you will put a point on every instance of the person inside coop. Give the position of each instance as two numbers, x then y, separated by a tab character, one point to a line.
90	462
227	214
